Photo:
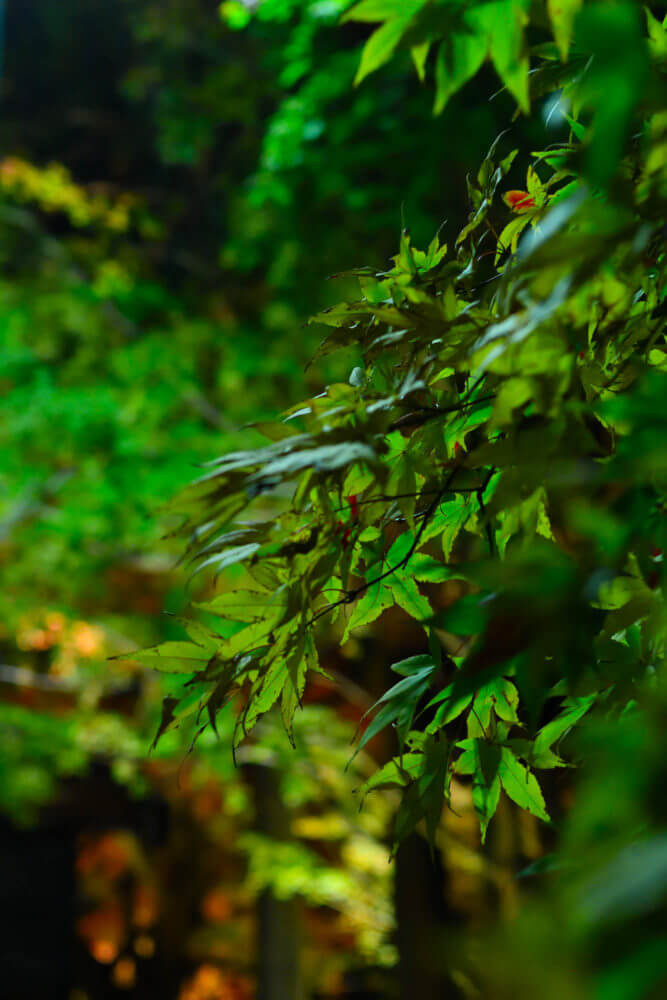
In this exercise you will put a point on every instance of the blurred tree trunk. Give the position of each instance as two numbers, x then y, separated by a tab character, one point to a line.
279	921
423	920
37	890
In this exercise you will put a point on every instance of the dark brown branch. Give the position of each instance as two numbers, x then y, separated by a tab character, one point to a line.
351	595
487	524
422	416
390	497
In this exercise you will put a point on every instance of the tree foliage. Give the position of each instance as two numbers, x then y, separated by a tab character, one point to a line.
503	427
136	316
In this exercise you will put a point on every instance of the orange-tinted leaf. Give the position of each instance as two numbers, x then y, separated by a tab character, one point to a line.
519	201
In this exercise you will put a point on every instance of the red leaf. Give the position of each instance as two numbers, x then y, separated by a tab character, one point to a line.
519	201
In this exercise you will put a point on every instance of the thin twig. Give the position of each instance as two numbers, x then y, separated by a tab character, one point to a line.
487	524
351	595
421	416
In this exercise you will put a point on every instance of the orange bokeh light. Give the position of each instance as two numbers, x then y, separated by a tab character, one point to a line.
216	906
124	973
145	907
144	945
108	856
208	983
103	950
88	640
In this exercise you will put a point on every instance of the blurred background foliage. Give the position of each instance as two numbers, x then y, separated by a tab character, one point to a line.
177	179
176	182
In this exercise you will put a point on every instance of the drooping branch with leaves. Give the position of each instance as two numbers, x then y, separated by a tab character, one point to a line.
503	426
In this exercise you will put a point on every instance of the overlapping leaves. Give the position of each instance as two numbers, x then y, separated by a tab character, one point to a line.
502	427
